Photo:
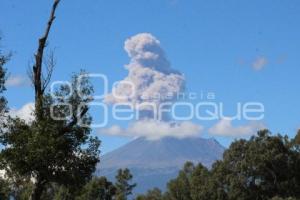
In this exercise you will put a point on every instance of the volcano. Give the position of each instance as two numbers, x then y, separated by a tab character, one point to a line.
154	162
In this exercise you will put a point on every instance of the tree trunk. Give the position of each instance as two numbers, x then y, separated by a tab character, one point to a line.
37	191
38	83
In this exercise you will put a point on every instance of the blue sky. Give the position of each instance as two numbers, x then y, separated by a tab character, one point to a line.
214	43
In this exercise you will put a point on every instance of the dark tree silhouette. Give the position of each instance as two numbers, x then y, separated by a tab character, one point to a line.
47	150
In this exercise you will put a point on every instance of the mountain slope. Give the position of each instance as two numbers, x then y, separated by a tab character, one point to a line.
154	163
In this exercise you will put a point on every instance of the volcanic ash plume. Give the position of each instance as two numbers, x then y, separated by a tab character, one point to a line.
150	77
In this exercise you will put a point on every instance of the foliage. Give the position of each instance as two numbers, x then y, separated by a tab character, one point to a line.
22	188
46	150
49	150
180	188
62	193
98	189
123	186
3	61
4	189
279	198
4	184
261	168
154	194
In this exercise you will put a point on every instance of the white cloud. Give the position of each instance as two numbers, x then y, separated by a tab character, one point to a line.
25	112
225	128
17	81
259	63
154	130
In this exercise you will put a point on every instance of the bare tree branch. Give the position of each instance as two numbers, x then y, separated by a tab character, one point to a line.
30	73
49	63
37	68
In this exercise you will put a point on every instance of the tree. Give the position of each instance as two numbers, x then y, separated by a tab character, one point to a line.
22	188
257	169
62	193
279	198
180	187
200	183
4	189
297	138
123	186
49	150
98	189
154	194
261	168
3	61
4	184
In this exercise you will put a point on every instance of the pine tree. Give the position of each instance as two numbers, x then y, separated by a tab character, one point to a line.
123	186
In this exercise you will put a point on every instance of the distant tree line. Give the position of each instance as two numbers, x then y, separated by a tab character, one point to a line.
265	167
262	168
97	188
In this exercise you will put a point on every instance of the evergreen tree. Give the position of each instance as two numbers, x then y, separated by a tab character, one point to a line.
262	168
180	188
200	183
154	194
123	186
98	189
